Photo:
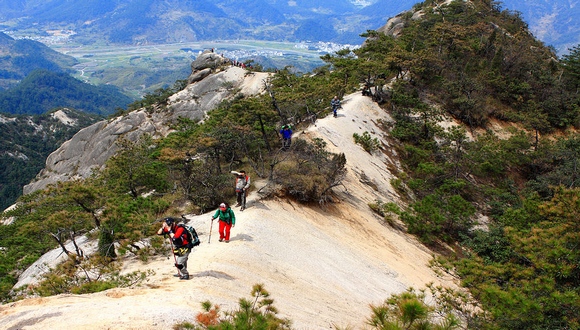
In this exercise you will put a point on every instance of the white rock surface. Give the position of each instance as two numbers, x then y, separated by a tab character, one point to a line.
323	265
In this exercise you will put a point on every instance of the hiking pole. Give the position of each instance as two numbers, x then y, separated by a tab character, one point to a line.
178	266
210	227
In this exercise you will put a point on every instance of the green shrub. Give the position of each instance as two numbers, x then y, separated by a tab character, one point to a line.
368	143
387	210
72	276
257	313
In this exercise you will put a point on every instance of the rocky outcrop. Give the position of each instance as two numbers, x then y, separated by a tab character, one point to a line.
204	64
91	147
395	25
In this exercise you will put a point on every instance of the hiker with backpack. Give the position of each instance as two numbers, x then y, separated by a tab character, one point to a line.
181	245
242	186
227	220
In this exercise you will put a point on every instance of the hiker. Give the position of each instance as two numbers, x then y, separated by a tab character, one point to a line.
178	236
227	220
242	186
286	136
366	91
335	104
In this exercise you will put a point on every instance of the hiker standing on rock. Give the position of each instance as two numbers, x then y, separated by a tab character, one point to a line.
179	244
335	104
227	220
242	186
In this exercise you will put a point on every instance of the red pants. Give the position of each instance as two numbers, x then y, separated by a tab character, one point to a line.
225	230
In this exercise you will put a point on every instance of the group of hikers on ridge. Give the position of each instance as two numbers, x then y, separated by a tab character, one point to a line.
286	131
182	239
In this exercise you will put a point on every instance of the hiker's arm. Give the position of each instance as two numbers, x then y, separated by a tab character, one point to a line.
235	173
247	183
162	230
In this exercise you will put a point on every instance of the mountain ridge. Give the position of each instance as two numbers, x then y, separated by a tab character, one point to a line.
322	265
139	21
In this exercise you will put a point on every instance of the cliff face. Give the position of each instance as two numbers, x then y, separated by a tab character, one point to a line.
91	147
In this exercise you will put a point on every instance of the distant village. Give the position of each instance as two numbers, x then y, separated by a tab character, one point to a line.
54	37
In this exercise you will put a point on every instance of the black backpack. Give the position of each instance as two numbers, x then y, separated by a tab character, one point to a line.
192	236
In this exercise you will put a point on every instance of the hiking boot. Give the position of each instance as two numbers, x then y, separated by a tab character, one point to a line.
176	275
186	277
243	208
238	204
221	239
227	241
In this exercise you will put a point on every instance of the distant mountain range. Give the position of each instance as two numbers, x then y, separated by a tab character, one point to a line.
342	21
35	79
18	58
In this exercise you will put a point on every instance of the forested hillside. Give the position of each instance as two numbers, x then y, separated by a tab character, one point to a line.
26	141
18	58
44	90
500	211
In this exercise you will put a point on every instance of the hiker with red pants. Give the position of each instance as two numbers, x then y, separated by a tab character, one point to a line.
227	220
180	245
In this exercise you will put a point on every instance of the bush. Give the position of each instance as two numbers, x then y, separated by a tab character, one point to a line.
368	143
309	172
258	313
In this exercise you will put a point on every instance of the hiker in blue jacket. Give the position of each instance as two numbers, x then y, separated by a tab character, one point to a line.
286	136
335	104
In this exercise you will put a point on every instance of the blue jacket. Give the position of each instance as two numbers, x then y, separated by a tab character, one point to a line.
286	133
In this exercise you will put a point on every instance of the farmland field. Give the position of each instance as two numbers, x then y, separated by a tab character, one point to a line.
143	68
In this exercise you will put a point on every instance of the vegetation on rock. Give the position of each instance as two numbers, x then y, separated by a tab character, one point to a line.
466	60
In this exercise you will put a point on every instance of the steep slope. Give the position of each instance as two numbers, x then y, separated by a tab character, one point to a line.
323	265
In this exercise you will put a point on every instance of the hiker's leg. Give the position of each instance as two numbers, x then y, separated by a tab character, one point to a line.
182	260
238	202
222	229
228	227
243	197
